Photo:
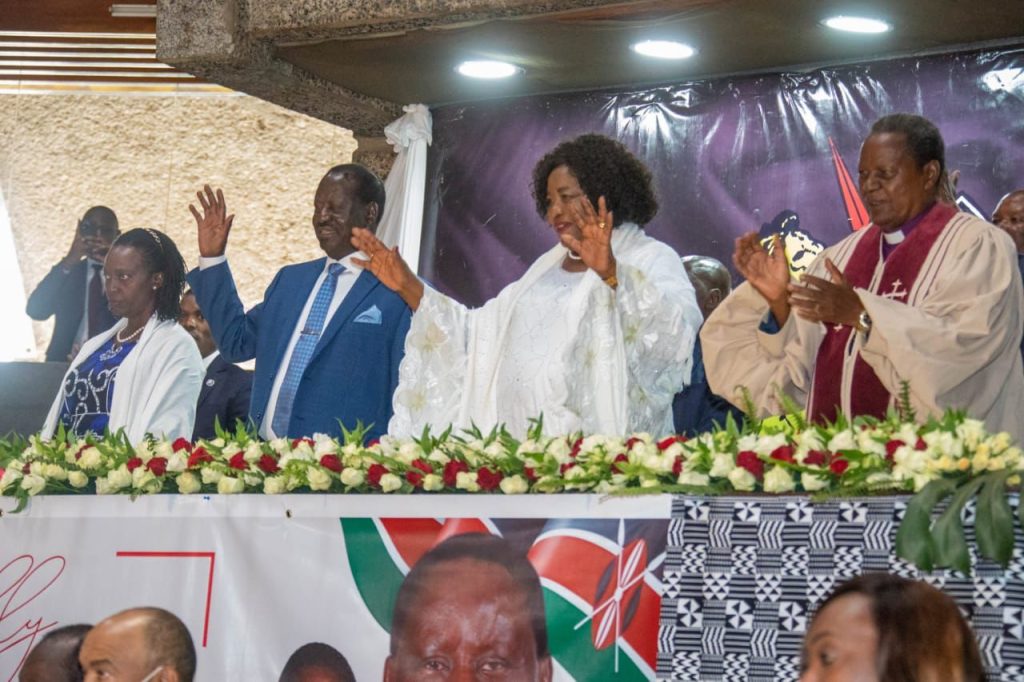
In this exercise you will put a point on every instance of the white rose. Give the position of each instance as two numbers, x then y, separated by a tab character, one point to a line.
33	484
495	450
352	477
76	478
747	442
466	480
972	431
318	479
119	478
436	455
253	452
164	449
281	445
141	476
274	485
351	449
188	483
324	445
868	443
808	440
721	464
304	453
390	483
767	444
693	478
844	440
409	451
559	449
211	476
514	485
90	459
778	480
742	479
55	472
177	462
144	451
433	483
528	447
36	468
812	482
230	450
1001	441
228	485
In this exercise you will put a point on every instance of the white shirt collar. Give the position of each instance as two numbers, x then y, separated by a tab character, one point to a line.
208	360
347	261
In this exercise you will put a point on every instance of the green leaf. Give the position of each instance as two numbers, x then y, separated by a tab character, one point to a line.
914	539
948	531
994	522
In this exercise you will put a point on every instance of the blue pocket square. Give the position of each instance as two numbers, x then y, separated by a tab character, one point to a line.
369	316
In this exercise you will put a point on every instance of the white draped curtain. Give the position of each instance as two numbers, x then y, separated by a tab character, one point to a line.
402	222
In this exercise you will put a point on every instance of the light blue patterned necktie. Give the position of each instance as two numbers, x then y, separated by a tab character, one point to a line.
303	351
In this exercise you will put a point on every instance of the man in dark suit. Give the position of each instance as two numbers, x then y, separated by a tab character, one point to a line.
73	289
227	388
328	337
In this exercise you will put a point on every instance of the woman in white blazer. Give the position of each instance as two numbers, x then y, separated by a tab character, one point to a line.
143	374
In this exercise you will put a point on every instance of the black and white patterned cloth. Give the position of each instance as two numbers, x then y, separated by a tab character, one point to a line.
743	576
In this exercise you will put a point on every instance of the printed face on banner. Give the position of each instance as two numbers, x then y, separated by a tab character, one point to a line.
512	599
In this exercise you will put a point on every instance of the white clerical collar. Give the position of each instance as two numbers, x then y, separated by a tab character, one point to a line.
893	238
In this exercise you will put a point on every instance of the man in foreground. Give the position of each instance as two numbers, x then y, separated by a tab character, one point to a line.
146	643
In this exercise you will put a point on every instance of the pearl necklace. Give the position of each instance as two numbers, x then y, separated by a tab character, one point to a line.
130	337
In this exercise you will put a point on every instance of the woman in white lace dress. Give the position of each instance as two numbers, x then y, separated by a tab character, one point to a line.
596	336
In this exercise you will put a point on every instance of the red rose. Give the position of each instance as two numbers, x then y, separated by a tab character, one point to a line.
134	463
27	468
677	465
78	455
891	447
667	443
158	465
839	465
2	470
268	465
375	472
331	463
783	453
182	444
816	458
920	445
565	467
414	477
237	461
422	466
576	448
198	456
452	469
487	479
617	462
375	441
633	441
299	441
530	474
751	462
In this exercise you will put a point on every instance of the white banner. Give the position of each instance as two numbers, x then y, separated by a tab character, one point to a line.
256	577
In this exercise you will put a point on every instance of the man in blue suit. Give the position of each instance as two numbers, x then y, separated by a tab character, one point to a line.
328	336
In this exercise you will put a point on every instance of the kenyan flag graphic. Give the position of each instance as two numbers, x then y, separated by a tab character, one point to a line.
601	580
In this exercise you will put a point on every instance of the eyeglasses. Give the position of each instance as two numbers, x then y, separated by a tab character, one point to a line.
153	674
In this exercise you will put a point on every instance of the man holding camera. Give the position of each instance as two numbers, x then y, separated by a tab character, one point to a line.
73	289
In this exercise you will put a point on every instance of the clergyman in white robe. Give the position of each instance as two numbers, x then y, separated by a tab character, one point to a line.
954	336
559	344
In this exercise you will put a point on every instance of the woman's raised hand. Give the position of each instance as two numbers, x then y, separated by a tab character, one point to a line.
594	246
388	266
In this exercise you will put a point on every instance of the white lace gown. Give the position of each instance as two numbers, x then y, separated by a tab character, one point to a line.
558	344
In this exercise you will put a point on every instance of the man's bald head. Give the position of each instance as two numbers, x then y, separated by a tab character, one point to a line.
710	279
55	657
132	644
317	662
1009	215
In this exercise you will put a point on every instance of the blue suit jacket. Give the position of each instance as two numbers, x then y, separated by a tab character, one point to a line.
225	397
354	369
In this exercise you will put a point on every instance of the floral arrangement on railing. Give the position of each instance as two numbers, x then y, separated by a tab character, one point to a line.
949	457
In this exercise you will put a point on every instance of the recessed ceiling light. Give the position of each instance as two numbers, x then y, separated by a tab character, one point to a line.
487	69
663	49
857	24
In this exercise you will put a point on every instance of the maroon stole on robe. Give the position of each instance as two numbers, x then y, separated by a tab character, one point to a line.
899	273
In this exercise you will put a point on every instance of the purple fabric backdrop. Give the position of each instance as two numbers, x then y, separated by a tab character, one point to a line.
727	155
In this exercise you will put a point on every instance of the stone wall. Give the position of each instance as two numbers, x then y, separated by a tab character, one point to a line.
145	156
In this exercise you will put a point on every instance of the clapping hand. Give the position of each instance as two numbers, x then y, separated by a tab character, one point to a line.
767	272
822	300
388	266
594	247
214	224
